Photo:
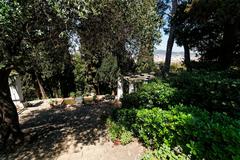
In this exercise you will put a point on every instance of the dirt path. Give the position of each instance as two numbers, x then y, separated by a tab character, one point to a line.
70	133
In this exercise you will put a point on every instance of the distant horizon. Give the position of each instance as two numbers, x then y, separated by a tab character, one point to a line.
163	51
177	56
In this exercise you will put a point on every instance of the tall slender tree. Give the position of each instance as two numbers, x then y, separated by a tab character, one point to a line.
216	25
183	31
171	38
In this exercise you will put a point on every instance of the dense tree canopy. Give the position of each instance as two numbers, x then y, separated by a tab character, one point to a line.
210	27
31	31
124	29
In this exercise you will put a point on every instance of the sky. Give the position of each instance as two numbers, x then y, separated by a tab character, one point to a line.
163	44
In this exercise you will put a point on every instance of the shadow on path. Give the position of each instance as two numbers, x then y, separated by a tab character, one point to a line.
53	129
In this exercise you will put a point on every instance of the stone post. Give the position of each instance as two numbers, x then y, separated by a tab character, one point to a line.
131	87
119	88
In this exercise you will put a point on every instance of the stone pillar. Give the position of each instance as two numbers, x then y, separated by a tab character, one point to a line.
131	87
119	88
19	88
16	90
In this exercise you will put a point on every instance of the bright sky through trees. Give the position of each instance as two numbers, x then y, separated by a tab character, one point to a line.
163	44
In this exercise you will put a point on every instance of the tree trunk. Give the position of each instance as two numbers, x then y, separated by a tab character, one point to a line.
187	60
10	132
228	45
43	93
38	92
170	42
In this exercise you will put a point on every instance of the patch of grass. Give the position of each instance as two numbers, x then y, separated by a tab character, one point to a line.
118	132
126	137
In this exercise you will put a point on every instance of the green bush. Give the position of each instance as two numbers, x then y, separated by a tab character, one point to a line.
176	66
126	117
214	91
200	134
118	132
131	100
73	94
153	116
150	95
114	130
126	137
165	153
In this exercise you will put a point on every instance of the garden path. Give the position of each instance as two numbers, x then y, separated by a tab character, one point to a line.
70	133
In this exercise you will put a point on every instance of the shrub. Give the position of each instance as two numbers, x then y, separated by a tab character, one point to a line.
165	153
203	135
176	66
113	130
214	91
126	137
118	132
150	95
73	94
126	117
130	100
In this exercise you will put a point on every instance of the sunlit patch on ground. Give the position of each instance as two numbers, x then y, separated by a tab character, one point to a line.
70	132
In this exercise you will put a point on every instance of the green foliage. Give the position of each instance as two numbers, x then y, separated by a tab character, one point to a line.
108	73
118	132
165	153
72	94
126	137
125	117
75	94
197	132
131	100
122	29
113	130
214	91
150	95
79	72
203	134
145	63
28	89
156	94
35	42
175	67
211	28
